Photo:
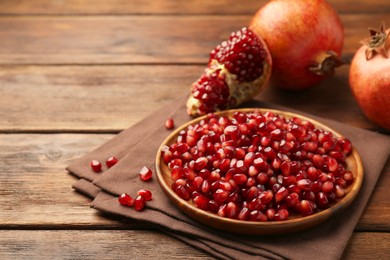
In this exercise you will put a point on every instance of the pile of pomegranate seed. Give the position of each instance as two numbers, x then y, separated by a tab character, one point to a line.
243	55
139	202
97	166
258	166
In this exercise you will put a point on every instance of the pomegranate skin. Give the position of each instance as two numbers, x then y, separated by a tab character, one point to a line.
370	84
299	34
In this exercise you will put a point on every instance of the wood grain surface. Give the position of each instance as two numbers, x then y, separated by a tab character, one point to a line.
135	39
200	7
73	73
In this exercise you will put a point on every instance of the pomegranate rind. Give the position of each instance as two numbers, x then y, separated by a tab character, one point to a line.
239	92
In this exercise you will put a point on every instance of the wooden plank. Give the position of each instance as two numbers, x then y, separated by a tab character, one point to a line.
130	244
134	39
93	244
39	7
111	98
35	189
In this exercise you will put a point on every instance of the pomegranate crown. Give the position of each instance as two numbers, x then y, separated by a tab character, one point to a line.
377	42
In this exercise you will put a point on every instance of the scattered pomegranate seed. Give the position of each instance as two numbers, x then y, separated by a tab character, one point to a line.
111	161
96	166
139	203
169	124
126	200
145	174
146	194
258	166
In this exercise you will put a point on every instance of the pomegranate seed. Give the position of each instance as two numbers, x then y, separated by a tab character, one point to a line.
126	200
257	167
202	202
231	210
111	161
281	194
220	195
281	214
182	192
322	200
257	215
346	146
200	163
169	123
339	191
96	166
266	197
270	213
145	174
348	177
244	214
139	203
146	194
327	186
304	184
306	208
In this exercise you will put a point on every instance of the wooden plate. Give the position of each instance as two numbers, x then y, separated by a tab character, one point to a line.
293	224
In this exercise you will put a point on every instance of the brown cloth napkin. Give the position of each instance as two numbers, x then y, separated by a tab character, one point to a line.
137	146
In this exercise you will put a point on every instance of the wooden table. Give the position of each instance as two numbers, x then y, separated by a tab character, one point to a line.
74	73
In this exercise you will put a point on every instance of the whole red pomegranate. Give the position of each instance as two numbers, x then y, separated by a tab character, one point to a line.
305	38
369	77
238	69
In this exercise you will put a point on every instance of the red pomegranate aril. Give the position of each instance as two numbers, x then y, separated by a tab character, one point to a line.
256	215
182	192
240	178
146	194
200	163
222	211
281	214
292	200
251	182
126	200
175	162
169	123
244	214
197	183
339	191
220	195
202	202
281	194
260	164
289	180
322	200
270	213
111	161
306	208
145	174
309	195
231	210
213	206
251	193
327	187
266	197
176	173
312	173
285	167
96	166
205	187
139	203
304	184
345	145
348	177
318	160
